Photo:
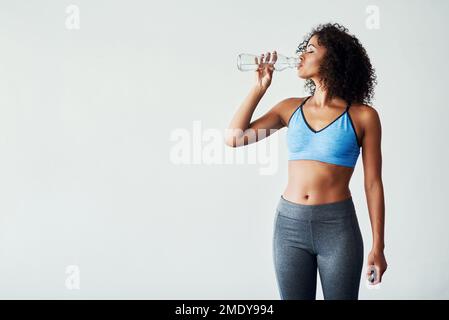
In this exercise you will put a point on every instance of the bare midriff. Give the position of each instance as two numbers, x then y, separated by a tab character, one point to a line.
315	182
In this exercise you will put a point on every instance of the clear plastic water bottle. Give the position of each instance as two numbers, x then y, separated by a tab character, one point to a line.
249	62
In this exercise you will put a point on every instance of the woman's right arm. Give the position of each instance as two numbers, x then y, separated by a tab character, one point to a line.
241	131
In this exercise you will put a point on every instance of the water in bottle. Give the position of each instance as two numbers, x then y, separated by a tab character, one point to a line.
247	62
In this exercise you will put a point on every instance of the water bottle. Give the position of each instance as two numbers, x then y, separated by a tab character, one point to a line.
248	62
372	274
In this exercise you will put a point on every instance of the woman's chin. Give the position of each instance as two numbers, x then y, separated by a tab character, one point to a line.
300	75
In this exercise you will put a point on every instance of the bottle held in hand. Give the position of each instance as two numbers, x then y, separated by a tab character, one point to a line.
263	67
372	277
250	62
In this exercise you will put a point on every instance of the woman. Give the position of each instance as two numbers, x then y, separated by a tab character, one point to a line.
316	225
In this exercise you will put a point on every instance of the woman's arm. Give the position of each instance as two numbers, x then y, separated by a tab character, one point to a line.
372	166
242	132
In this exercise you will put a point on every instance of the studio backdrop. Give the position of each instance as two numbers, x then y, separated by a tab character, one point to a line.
116	183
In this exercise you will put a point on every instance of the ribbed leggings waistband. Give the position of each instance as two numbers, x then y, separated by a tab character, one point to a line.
325	211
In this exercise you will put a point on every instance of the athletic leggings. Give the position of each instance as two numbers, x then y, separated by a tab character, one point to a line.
326	237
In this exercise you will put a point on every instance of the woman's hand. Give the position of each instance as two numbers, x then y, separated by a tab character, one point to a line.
264	73
377	258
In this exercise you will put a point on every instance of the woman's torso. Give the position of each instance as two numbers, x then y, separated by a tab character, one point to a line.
315	182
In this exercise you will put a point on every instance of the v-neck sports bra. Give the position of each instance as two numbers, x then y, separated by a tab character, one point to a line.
336	143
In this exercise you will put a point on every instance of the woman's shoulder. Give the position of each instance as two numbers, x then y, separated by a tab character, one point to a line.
294	101
364	111
362	115
288	107
288	103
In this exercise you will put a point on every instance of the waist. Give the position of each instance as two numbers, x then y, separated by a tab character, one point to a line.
311	212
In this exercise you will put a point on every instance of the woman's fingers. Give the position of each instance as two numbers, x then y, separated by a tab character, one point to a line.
257	63
379	275
275	57
271	58
267	60
376	272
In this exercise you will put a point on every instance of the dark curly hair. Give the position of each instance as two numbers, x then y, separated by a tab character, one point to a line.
346	70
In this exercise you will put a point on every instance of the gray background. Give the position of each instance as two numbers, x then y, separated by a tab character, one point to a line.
87	178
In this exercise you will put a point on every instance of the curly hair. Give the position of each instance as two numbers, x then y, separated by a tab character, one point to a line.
345	70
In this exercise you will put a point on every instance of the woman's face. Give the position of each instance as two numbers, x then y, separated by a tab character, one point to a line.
310	59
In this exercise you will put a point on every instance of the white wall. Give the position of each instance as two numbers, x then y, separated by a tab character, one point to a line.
87	172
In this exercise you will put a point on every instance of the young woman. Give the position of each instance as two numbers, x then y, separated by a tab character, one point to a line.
316	226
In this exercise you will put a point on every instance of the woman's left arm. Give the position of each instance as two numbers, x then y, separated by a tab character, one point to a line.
372	167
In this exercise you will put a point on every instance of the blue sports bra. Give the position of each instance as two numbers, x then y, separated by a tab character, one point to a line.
336	143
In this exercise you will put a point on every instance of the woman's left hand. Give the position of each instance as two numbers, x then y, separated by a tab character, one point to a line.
377	258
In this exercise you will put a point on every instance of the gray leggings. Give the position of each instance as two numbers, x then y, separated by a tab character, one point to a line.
324	236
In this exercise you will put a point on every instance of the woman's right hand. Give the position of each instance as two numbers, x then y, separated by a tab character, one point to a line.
264	73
